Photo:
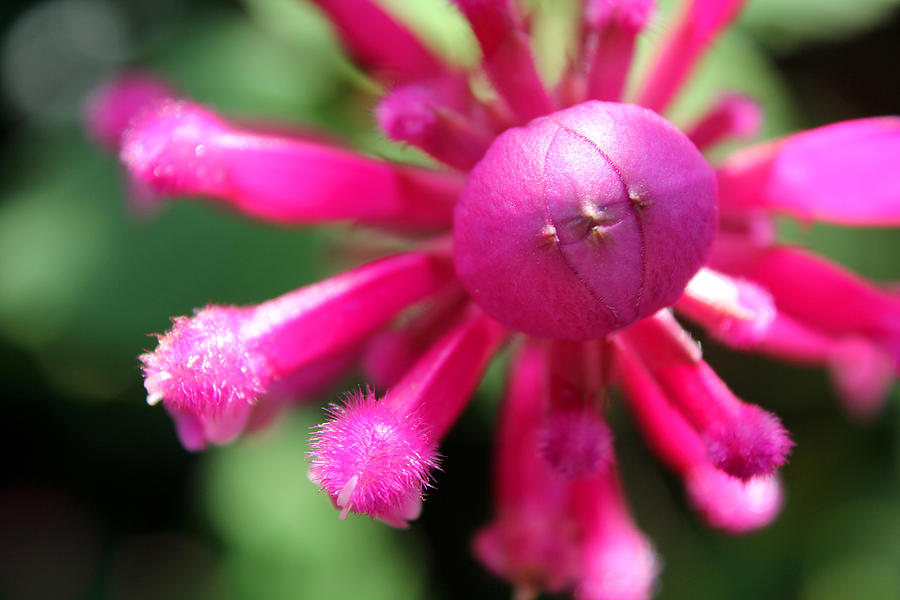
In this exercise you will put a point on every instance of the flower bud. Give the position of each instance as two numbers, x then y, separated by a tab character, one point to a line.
584	221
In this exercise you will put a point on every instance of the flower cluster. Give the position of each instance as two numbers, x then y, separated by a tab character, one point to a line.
571	223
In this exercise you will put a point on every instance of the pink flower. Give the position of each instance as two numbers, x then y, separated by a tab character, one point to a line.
565	221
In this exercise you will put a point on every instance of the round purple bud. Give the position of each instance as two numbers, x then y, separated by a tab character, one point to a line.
584	221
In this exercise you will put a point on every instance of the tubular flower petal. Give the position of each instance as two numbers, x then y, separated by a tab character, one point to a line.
734	117
374	457
844	303
507	57
182	148
618	563
575	439
611	28
212	368
825	174
695	30
532	538
424	116
863	371
112	107
863	374
741	439
733	505
560	214
724	501
390	354
378	42
735	311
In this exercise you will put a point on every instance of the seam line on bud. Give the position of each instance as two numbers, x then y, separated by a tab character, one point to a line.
637	214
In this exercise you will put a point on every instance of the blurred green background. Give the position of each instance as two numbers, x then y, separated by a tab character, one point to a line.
98	499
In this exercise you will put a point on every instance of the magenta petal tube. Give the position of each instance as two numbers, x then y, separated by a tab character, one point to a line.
374	456
863	374
862	370
734	117
183	148
834	318
618	562
209	369
611	27
846	173
418	114
378	42
677	56
575	439
438	386
724	501
737	312
741	439
507	57
391	352
820	294
531	540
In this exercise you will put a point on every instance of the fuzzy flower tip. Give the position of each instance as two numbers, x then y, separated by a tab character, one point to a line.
371	459
203	364
753	444
576	444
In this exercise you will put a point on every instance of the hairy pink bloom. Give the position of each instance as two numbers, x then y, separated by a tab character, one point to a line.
373	457
576	443
204	363
211	369
562	216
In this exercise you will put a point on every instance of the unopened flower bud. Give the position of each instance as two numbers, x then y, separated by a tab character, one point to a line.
584	221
